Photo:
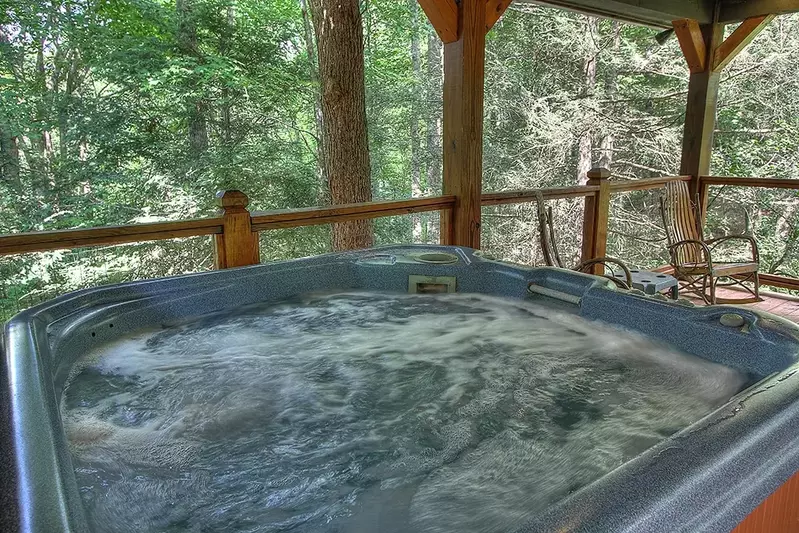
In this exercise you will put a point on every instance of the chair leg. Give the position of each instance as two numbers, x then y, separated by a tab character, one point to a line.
701	285
757	285
712	283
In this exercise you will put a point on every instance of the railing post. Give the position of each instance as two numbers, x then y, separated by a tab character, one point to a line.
446	227
595	221
238	244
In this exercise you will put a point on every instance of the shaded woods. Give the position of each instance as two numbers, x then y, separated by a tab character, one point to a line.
124	111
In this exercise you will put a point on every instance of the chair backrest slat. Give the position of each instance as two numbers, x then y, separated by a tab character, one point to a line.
679	220
546	234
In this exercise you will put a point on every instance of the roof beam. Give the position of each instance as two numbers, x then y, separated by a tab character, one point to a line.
742	36
692	43
494	10
443	15
736	10
653	13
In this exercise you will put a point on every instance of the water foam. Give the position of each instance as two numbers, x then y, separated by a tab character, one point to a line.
357	412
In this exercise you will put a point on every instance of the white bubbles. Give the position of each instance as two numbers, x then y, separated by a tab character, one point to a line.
357	412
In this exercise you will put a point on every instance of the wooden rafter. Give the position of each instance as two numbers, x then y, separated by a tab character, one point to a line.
742	36
692	43
443	15
494	10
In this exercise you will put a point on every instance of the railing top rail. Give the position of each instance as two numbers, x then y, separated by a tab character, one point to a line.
530	195
312	216
769	183
644	183
38	241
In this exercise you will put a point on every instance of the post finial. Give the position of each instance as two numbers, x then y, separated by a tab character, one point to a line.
599	173
232	199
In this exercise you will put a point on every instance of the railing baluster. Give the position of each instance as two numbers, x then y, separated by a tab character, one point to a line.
238	244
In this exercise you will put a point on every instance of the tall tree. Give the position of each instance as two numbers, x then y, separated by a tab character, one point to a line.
435	77
9	159
188	44
611	81
339	39
416	160
313	72
589	72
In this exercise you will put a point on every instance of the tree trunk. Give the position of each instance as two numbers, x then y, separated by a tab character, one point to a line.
42	181
323	196
606	144
435	76
416	169
189	45
9	164
339	39
589	71
227	106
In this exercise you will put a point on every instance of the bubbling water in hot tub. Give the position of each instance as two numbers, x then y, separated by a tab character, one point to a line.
365	412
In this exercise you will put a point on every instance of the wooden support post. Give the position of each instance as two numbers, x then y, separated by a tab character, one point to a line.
446	225
589	214
701	198
706	56
464	72
595	220
700	115
238	244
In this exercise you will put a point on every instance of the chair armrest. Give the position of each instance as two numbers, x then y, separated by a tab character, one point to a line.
699	244
751	240
628	279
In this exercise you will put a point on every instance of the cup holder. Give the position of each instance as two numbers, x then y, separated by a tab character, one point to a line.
437	258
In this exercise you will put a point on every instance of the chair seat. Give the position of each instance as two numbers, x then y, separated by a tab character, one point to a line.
720	269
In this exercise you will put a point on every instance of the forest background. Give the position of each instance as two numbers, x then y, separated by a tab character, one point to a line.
129	111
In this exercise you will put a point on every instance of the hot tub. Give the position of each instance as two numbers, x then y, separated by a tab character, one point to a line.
704	478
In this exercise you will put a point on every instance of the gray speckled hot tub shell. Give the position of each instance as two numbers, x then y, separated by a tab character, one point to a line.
706	478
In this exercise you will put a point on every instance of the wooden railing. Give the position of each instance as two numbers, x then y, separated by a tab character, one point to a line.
312	216
235	230
40	241
597	209
773	280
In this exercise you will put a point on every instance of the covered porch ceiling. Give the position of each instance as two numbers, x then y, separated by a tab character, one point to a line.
660	13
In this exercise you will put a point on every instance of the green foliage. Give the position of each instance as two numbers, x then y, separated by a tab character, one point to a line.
124	111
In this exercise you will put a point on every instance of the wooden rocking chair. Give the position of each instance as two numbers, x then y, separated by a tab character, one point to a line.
546	232
692	257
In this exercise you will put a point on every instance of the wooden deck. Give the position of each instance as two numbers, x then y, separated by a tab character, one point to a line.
782	305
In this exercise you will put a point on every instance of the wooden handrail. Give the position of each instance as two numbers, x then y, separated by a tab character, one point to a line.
770	183
530	195
312	216
645	183
775	280
39	241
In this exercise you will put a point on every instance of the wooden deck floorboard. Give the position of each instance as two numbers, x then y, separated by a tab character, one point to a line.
772	303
